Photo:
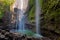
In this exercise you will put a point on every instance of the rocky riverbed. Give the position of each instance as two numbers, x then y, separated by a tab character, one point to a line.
7	35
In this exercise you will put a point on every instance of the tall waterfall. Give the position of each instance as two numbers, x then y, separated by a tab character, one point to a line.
21	24
21	6
21	18
37	13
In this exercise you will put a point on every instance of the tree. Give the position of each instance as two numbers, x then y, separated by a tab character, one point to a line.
5	6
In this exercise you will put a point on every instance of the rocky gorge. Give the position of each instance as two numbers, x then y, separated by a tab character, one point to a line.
49	27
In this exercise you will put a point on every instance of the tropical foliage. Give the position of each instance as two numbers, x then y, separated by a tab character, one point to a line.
32	9
51	11
4	6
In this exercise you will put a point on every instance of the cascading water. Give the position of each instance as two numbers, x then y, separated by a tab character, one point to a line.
21	6
37	17
20	25
21	17
20	20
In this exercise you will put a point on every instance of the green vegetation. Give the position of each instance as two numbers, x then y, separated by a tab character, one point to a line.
31	16
32	4
4	6
51	11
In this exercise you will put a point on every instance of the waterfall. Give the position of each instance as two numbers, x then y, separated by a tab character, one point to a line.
37	13
21	17
20	22
37	17
20	7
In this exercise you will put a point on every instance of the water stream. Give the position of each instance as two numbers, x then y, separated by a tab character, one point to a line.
21	24
37	18
20	18
20	21
37	13
21	6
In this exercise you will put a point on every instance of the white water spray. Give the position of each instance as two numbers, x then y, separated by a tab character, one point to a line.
21	24
20	14
37	17
21	4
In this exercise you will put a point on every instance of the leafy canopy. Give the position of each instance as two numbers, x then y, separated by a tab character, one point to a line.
5	6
